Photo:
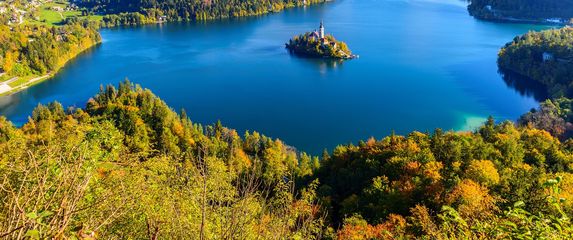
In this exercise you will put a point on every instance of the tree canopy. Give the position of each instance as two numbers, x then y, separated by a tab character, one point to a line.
128	165
36	49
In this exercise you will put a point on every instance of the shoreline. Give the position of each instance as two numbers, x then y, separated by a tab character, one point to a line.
206	20
7	90
522	21
504	19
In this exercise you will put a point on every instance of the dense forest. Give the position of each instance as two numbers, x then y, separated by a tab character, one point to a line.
37	49
449	185
309	45
545	57
134	12
128	165
553	115
521	9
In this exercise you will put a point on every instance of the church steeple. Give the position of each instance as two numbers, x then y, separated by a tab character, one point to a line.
321	30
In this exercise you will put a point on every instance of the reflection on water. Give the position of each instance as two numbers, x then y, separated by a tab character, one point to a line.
524	85
6	101
327	64
322	64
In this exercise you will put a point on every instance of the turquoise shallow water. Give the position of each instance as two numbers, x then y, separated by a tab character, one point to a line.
423	65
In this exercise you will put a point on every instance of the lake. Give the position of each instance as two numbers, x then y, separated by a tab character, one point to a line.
423	65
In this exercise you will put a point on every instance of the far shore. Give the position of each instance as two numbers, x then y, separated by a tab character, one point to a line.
502	19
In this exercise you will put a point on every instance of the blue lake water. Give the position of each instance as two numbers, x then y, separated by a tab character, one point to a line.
423	65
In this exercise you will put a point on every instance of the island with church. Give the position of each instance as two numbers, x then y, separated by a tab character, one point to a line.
317	44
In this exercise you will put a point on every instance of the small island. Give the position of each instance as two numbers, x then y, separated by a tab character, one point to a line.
317	44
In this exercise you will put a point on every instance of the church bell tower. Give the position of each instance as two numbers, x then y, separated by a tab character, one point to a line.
321	30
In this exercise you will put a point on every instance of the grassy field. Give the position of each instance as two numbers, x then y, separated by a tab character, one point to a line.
20	81
24	82
4	78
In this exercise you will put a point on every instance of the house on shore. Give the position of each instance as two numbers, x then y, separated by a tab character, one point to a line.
547	56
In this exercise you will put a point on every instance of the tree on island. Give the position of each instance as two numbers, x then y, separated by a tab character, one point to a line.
317	44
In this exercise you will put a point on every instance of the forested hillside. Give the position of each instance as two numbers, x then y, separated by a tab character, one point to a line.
521	9
128	165
36	50
36	40
134	12
545	57
448	185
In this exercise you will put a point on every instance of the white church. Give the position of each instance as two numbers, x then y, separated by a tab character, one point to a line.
325	43
319	35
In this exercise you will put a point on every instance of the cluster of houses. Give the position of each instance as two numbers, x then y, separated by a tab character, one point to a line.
16	15
71	7
559	21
